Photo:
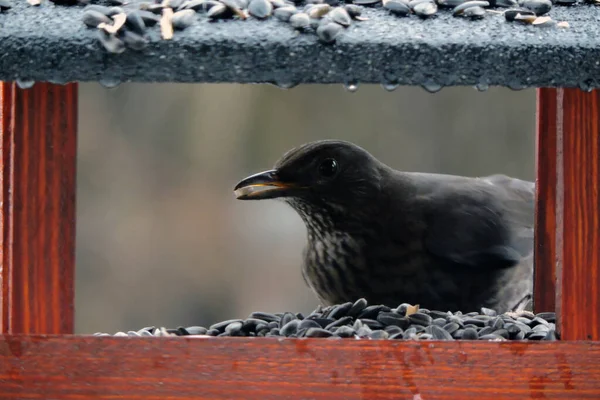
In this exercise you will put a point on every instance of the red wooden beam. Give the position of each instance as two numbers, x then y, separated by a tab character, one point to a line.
578	214
37	215
78	367
544	285
568	210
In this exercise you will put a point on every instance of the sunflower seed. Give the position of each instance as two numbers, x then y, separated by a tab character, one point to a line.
485	331
512	14
323	322
540	328
539	7
134	41
308	323
397	7
410	333
94	18
492	337
474	12
166	25
439	314
340	16
378	334
220	326
114	11
456	320
300	21
285	318
547	316
263	316
290	328
318	11
196	330
260	9
390	318
207	5
544	22
234	328
399	335
342	321
371	323
438	333
551	335
425	9
345	332
235	7
285	13
497	323
111	43
537	335
219	11
363	331
391	329
474	321
280	3
154	8
135	22
371	312
196	5
183	19
420	319
318	332
451	327
468	4
366	2
118	23
502	332
503	3
470	334
450	3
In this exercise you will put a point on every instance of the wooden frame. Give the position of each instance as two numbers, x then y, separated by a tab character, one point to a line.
38	128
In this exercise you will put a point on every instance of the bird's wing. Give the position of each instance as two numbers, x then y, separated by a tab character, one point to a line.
485	224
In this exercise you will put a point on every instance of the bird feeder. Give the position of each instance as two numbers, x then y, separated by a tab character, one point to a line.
41	358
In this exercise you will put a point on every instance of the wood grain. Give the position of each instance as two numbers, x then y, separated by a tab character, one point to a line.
38	130
544	286
578	220
77	367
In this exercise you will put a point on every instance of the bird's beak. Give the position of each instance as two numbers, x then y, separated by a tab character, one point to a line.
264	185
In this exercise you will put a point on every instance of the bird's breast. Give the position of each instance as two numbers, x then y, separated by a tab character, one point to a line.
332	263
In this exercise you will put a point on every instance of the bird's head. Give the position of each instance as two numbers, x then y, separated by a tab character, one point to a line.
330	174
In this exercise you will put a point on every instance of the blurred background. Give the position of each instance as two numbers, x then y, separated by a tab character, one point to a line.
161	239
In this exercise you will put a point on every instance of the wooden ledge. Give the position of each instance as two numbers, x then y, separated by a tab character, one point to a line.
76	367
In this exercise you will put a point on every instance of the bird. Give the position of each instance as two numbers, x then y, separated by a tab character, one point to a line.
444	242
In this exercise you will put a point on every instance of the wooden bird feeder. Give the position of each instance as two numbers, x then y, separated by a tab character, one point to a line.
41	358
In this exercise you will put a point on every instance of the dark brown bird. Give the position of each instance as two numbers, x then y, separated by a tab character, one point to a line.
444	242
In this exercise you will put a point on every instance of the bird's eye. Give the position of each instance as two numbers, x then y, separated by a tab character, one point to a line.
328	168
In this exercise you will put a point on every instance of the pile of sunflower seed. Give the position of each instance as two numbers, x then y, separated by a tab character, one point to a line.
123	24
358	320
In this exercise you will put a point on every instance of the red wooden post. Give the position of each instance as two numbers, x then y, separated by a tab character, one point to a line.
545	187
575	210
37	215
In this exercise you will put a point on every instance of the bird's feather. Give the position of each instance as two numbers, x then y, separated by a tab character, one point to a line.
482	223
